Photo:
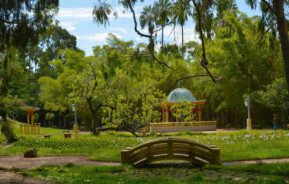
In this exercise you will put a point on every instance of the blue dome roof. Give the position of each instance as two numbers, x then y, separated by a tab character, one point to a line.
181	95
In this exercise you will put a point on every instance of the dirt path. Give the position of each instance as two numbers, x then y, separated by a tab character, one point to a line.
11	177
19	162
261	161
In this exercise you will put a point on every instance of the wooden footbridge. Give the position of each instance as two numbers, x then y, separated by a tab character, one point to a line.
171	149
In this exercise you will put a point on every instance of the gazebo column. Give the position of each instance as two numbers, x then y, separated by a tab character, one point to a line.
199	113
165	113
32	118
32	123
28	119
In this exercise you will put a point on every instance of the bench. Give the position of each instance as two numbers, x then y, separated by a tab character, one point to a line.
171	149
67	135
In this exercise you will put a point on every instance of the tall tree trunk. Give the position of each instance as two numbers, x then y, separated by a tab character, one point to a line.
183	50
278	6
93	115
182	37
163	26
93	111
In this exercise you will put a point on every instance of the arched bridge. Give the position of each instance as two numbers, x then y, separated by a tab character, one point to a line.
171	149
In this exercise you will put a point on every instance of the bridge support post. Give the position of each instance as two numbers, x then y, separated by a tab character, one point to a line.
125	154
216	155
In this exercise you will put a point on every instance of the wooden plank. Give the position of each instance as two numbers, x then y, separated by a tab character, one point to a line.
173	151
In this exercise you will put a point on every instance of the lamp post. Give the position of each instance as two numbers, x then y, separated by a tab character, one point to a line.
249	121
75	126
74	110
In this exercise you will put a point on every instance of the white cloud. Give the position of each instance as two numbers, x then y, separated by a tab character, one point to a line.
86	13
121	30
68	25
98	37
75	13
69	18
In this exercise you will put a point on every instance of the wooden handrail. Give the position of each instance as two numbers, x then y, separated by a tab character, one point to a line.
171	148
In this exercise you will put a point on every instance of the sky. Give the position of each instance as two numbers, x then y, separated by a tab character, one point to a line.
76	17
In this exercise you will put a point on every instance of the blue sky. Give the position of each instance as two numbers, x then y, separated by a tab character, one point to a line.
76	17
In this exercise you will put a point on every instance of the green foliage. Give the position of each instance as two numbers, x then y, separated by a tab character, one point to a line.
137	106
7	130
240	54
183	111
275	96
122	84
21	23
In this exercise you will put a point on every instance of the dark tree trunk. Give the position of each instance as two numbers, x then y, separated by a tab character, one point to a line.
93	116
93	112
278	6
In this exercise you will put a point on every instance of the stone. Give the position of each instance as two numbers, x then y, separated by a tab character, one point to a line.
46	135
31	153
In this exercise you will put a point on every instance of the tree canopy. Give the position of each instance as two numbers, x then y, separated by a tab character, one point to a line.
122	84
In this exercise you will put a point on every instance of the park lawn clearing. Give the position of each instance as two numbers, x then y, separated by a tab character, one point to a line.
235	145
168	174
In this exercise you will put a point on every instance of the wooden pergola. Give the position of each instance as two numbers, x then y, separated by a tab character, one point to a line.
31	126
30	111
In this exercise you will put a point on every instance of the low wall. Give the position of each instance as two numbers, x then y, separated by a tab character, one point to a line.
182	126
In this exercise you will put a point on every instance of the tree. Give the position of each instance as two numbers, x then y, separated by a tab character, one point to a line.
21	22
181	11
137	106
163	12
247	60
274	12
55	92
148	18
275	97
54	39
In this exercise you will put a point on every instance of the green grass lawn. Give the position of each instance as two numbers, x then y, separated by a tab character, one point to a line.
170	174
239	145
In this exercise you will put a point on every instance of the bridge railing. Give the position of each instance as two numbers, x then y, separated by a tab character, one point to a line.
171	149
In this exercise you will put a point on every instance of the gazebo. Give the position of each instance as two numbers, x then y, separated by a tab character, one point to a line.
180	96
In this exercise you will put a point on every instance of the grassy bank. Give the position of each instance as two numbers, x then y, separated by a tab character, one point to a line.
168	174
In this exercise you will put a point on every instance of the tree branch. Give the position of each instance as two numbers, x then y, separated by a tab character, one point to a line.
162	28
160	62
269	6
7	21
135	21
204	58
192	76
94	75
151	38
